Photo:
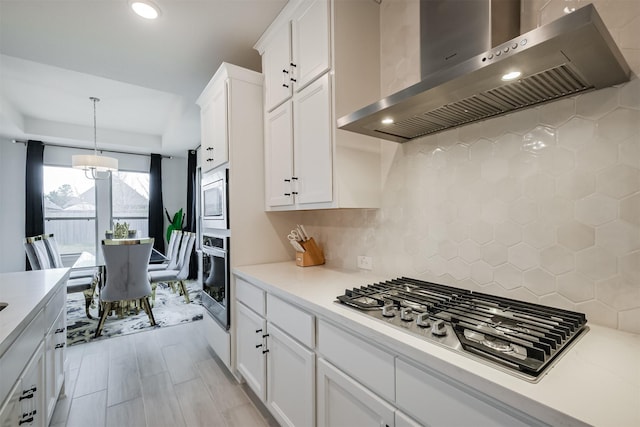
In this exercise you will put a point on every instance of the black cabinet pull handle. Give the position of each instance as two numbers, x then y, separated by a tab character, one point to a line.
294	192
265	335
293	80
295	178
28	420
59	331
209	148
265	351
287	194
59	345
292	64
258	331
285	71
285	85
259	345
209	160
287	180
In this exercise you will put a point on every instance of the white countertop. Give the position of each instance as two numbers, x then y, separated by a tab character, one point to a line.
26	293
596	382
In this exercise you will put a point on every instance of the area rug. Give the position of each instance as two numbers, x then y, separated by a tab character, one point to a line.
169	309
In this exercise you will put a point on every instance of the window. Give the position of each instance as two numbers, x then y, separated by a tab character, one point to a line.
130	200
70	209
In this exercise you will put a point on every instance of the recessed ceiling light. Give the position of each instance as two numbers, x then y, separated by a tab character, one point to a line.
511	76
387	121
146	9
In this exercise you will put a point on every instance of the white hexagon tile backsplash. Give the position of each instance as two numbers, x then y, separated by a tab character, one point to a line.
541	205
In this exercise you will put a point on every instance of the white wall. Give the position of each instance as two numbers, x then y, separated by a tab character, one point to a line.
482	208
12	185
12	180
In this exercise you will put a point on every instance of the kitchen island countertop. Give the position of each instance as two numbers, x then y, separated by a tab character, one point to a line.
26	293
596	381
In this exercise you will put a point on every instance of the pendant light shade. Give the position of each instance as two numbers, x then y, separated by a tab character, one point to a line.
92	163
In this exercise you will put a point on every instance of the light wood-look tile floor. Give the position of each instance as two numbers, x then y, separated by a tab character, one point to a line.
164	377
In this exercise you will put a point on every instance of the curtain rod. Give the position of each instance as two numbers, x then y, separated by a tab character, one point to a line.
17	141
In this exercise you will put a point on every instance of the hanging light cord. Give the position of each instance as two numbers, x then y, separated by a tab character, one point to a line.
95	132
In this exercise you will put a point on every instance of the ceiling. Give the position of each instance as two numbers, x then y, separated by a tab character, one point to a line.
55	54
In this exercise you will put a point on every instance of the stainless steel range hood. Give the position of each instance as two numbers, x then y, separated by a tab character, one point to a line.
573	54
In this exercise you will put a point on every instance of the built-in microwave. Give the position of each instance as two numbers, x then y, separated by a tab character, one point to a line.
215	199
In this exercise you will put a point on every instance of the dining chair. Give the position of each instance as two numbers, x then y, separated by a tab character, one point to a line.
180	273
55	258
126	277
41	259
171	255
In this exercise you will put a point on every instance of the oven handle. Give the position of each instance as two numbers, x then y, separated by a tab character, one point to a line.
214	251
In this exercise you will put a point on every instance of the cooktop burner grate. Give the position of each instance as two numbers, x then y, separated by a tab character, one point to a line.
519	336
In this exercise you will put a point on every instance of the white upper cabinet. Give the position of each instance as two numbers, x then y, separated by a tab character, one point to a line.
311	42
230	111
213	124
333	70
276	64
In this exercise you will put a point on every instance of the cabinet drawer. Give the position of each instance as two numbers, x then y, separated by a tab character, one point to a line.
413	385
251	296
295	322
53	307
366	363
13	361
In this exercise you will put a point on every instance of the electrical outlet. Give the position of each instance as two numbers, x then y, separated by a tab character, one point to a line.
365	262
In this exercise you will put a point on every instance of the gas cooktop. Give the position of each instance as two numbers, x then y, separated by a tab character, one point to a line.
520	338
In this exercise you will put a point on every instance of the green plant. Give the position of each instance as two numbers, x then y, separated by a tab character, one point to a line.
176	222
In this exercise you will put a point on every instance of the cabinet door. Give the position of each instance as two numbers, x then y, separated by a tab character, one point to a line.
55	350
214	128
276	64
290	380
413	384
33	391
250	347
313	161
344	402
311	43
11	411
279	156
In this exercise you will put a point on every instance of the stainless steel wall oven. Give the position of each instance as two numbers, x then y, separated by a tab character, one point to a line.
216	276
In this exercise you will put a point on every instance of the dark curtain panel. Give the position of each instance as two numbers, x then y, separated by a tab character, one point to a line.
156	206
34	213
192	214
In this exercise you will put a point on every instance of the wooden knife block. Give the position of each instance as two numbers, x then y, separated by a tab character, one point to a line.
312	254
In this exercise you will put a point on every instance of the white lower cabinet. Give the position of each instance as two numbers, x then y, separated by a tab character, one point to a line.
435	401
290	380
25	405
55	343
343	402
273	355
250	329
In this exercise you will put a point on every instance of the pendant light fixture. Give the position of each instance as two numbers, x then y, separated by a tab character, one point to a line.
92	163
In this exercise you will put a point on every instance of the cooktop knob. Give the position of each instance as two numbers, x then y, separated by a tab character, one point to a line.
439	328
388	310
406	314
423	320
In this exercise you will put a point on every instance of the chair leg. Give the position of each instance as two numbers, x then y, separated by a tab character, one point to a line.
153	293
106	308
183	290
147	308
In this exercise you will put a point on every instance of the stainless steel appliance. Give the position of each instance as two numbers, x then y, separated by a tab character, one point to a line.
215	199
476	78
215	277
520	338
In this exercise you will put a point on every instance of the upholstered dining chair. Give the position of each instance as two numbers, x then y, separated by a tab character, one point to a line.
180	273
127	277
41	257
172	253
